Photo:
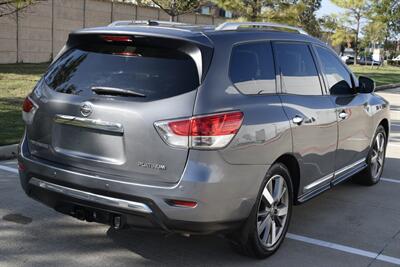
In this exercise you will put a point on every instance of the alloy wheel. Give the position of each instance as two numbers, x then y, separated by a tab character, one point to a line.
273	211
378	154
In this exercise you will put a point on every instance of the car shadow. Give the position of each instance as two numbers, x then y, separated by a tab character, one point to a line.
178	250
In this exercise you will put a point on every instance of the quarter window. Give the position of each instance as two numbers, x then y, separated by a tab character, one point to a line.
297	68
338	78
252	68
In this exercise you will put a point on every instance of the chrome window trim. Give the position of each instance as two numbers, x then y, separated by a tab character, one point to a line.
109	201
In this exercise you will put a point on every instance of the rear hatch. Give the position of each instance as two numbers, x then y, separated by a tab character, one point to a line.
98	102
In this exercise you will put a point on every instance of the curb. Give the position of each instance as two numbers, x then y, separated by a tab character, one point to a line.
8	152
388	86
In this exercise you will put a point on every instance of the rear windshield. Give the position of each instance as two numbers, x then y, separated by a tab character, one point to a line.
154	72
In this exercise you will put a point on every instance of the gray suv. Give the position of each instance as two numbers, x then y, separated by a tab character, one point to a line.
198	130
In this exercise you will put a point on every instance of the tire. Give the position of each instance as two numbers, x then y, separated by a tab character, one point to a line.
269	213
371	175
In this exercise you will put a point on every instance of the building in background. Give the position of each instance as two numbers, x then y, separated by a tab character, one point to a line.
213	10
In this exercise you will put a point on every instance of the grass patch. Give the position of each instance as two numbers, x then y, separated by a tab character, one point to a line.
381	75
16	82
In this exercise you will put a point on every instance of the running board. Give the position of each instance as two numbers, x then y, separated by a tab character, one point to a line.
338	177
337	180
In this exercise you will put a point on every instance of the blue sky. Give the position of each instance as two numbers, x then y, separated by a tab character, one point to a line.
327	8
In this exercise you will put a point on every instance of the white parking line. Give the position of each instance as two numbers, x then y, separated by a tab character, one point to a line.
8	169
347	249
390	180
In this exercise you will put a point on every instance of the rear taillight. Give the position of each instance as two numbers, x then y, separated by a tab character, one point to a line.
201	132
129	54
21	167
117	38
27	105
28	110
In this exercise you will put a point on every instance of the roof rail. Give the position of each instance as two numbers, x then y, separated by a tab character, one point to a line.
146	22
232	26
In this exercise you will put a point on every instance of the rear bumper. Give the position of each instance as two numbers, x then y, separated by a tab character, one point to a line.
150	218
225	194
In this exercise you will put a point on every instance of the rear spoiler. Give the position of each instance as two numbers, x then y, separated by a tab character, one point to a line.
197	45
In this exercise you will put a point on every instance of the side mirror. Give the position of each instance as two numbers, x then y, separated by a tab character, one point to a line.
365	85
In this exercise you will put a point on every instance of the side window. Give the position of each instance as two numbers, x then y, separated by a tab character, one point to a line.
297	68
252	68
337	76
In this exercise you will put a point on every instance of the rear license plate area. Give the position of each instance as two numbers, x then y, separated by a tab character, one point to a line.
88	144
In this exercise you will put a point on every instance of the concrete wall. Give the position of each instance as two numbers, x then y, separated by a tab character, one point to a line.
39	32
8	39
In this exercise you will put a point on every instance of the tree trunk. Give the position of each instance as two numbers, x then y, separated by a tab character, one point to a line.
356	40
372	59
173	11
254	15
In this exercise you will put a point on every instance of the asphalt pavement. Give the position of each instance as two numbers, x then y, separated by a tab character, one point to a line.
350	225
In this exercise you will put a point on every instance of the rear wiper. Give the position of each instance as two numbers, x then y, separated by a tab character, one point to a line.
102	90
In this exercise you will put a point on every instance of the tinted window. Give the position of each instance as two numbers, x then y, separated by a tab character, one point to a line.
338	78
252	68
298	70
155	72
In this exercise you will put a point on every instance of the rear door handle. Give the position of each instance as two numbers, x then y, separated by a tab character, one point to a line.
343	115
297	119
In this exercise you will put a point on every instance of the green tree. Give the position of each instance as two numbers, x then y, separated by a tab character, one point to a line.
336	31
355	11
293	12
287	11
250	10
328	25
284	12
388	13
307	18
8	7
175	8
343	35
375	32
